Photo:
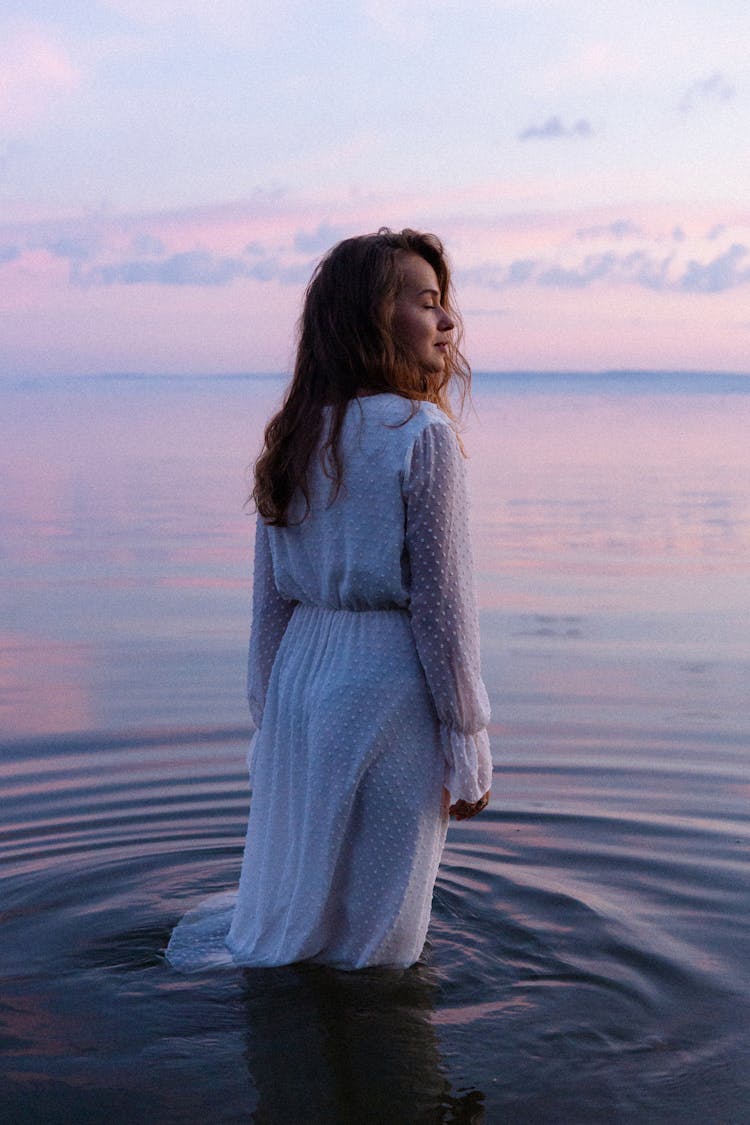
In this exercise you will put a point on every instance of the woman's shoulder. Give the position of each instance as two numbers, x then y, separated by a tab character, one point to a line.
410	416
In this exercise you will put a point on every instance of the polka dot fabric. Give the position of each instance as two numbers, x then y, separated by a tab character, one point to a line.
364	683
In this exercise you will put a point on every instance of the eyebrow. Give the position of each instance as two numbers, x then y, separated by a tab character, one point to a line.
432	292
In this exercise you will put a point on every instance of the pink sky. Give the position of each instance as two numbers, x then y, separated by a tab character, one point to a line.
170	171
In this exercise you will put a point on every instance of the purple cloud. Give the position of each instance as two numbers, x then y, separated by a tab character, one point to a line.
718	275
621	228
319	240
191	267
593	268
500	277
660	274
553	129
650	273
147	245
715	88
73	248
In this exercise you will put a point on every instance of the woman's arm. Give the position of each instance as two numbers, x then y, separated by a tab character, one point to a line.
271	615
444	611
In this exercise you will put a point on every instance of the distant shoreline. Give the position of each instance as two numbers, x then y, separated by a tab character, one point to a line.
618	381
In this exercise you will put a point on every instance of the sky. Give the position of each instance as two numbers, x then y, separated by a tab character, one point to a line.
171	170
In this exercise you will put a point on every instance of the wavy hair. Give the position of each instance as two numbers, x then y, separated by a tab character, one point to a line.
346	347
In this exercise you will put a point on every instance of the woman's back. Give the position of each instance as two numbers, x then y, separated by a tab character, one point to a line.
350	554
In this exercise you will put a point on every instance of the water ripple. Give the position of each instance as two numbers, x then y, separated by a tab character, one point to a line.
562	937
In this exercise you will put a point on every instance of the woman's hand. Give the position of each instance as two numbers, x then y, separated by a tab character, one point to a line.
463	810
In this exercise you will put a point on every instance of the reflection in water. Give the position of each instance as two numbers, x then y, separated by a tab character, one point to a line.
590	935
43	684
589	955
127	556
329	1047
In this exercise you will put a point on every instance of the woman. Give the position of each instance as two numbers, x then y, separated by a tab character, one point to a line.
364	679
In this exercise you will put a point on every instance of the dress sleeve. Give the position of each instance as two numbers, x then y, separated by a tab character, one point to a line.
443	607
271	613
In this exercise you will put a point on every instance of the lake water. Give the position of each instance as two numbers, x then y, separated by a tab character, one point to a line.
589	955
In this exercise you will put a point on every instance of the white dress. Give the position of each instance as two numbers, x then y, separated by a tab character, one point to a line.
365	687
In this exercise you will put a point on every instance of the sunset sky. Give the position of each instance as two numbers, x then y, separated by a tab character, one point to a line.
171	169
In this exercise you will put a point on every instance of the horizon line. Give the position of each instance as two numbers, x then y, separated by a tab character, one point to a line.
514	372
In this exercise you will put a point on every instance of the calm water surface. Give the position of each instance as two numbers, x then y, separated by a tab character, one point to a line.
589	957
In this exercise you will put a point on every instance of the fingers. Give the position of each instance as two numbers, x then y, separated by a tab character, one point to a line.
464	810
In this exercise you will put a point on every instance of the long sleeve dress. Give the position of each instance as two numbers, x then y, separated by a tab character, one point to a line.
364	684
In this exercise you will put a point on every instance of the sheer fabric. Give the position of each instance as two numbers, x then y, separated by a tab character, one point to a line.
364	684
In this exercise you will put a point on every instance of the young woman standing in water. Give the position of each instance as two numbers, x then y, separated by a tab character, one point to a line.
364	678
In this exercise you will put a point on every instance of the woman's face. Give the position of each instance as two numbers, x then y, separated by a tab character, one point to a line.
420	324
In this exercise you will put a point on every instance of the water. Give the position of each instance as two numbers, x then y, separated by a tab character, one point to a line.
588	959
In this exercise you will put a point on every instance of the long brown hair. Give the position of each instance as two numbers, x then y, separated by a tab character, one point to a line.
347	348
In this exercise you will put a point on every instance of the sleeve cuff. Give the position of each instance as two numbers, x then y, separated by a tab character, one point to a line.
468	764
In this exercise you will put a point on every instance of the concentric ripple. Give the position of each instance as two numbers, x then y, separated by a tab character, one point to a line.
598	951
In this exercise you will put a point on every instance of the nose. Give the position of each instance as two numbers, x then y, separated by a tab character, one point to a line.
445	324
